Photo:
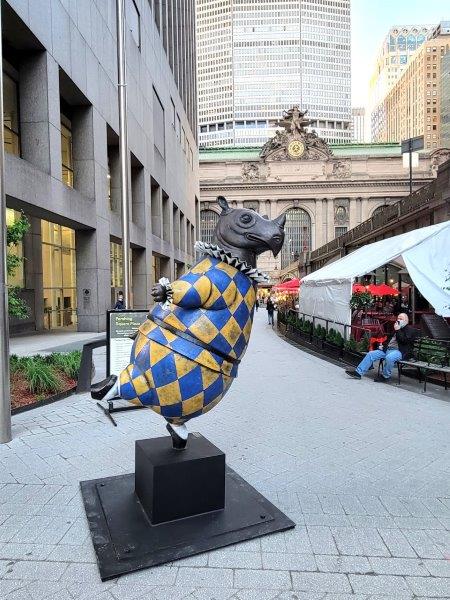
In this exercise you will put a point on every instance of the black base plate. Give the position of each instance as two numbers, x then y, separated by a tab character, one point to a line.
125	541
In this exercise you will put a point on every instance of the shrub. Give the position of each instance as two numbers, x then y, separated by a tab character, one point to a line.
361	300
334	337
40	376
363	344
351	345
67	362
320	332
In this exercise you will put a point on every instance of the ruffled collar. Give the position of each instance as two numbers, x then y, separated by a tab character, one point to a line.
234	261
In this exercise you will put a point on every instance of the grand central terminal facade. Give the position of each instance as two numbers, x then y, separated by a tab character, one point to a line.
325	190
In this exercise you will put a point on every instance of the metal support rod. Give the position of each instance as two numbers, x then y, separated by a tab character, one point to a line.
123	139
410	167
5	398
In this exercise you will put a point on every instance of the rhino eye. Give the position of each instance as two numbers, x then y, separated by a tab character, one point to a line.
246	218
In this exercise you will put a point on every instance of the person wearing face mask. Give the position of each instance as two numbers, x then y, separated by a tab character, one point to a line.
399	346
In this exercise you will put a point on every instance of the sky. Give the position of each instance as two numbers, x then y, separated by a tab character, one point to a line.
371	20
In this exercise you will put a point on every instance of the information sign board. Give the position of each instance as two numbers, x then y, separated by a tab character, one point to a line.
120	325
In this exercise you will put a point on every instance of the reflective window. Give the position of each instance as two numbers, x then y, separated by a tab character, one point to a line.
10	115
297	235
208	222
339	231
116	264
66	151
59	275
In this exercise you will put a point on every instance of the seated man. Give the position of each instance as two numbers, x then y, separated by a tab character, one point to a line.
399	346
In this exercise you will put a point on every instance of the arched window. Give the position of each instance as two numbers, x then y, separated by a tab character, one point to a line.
297	237
208	222
378	210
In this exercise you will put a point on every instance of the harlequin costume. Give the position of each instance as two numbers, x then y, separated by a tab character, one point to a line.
187	353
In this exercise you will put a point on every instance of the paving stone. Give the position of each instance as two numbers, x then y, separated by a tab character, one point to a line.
235	560
297	541
422	544
352	505
287	561
396	543
321	582
429	586
331	505
438	568
247	578
373	505
322	541
204	577
347	541
378	584
343	564
31	569
398	566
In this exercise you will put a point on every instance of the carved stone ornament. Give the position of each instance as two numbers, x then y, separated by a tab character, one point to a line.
295	143
341	169
438	157
250	172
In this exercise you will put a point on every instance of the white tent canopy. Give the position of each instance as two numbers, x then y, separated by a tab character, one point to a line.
326	293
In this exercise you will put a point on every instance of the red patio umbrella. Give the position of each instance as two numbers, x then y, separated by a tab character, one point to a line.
382	290
358	287
291	285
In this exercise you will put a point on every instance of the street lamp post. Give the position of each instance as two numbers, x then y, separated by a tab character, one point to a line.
123	148
5	398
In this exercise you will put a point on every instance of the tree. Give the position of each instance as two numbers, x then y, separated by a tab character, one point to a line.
14	235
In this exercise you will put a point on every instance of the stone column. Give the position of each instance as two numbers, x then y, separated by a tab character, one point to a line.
365	208
92	246
32	250
40	118
353	210
330	220
319	240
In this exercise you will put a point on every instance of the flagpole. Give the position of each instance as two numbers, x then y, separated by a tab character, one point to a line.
123	149
5	398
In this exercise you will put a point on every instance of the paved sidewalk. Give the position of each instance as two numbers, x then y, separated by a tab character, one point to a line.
55	341
363	470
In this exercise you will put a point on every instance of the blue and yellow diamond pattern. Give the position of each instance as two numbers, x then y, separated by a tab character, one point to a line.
213	302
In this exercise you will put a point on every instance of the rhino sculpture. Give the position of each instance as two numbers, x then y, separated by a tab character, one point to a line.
186	354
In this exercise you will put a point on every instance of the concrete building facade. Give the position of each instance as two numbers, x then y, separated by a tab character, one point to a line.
62	155
413	105
358	124
254	57
322	198
395	53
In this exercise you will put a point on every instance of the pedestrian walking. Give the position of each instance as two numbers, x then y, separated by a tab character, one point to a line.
257	304
270	310
120	304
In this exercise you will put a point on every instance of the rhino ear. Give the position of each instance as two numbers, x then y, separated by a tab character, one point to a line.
222	202
281	220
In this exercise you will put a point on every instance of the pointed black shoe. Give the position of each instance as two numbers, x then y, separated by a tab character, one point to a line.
100	389
177	441
353	373
380	379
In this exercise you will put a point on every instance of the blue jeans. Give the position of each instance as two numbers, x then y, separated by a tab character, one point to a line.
390	357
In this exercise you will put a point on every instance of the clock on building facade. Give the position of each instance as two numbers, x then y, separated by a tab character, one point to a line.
296	148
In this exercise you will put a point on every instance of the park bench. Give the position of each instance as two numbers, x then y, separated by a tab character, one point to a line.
430	356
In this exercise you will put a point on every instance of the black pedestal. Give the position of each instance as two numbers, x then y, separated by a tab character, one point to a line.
125	538
173	484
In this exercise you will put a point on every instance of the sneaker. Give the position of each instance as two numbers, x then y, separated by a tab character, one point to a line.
353	373
381	379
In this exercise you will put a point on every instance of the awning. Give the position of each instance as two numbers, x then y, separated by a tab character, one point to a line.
291	285
426	253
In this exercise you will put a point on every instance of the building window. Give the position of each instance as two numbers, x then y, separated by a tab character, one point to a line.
116	264
18	278
339	231
11	115
297	235
208	222
66	151
378	210
59	275
133	20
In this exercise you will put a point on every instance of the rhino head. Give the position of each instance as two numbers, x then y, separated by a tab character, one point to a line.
246	234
